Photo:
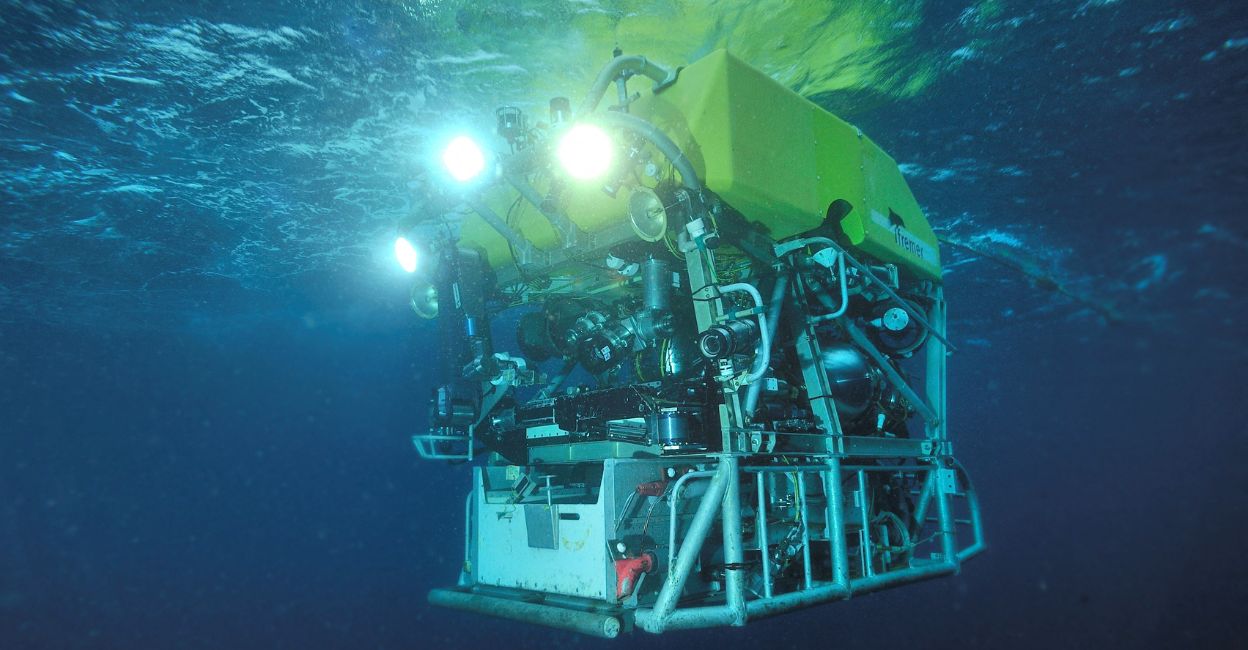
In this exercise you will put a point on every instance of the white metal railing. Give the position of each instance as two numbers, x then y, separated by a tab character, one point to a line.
723	495
434	446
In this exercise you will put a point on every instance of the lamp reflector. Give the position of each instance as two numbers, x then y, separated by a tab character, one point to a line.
585	152
406	254
463	158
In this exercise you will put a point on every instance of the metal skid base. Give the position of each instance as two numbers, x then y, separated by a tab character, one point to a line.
520	606
790	536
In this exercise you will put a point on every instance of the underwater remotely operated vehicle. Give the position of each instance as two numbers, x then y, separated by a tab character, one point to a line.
726	395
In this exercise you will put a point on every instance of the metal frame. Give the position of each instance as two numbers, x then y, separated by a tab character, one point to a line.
432	446
723	496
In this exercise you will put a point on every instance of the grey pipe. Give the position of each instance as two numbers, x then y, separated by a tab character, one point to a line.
599	625
864	522
948	534
733	612
500	226
839	310
807	576
635	64
773	319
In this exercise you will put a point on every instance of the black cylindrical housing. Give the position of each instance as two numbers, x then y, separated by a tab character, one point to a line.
674	428
656	285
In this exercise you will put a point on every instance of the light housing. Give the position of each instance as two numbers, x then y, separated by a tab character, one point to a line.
463	158
406	254
585	151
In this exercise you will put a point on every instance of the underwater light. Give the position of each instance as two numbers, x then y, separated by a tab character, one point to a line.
586	151
406	254
463	158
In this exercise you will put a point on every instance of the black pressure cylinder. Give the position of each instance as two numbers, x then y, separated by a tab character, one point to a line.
656	285
854	382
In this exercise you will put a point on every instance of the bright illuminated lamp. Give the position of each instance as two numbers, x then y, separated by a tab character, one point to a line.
463	158
406	254
585	152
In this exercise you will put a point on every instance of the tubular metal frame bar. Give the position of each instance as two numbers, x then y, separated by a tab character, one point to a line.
738	609
763	540
467	570
807	578
734	552
977	524
569	233
655	619
929	414
524	248
476	496
672	507
835	491
603	625
842	586
721	496
864	548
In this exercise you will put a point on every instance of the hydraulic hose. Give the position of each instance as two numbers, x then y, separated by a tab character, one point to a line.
773	319
844	285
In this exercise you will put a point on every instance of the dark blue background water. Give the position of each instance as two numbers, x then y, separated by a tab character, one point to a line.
208	374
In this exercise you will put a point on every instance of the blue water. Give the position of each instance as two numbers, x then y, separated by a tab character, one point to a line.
208	372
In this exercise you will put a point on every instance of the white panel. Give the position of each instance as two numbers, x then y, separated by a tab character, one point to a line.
578	567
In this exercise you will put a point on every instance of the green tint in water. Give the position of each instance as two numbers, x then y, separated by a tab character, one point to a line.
554	48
